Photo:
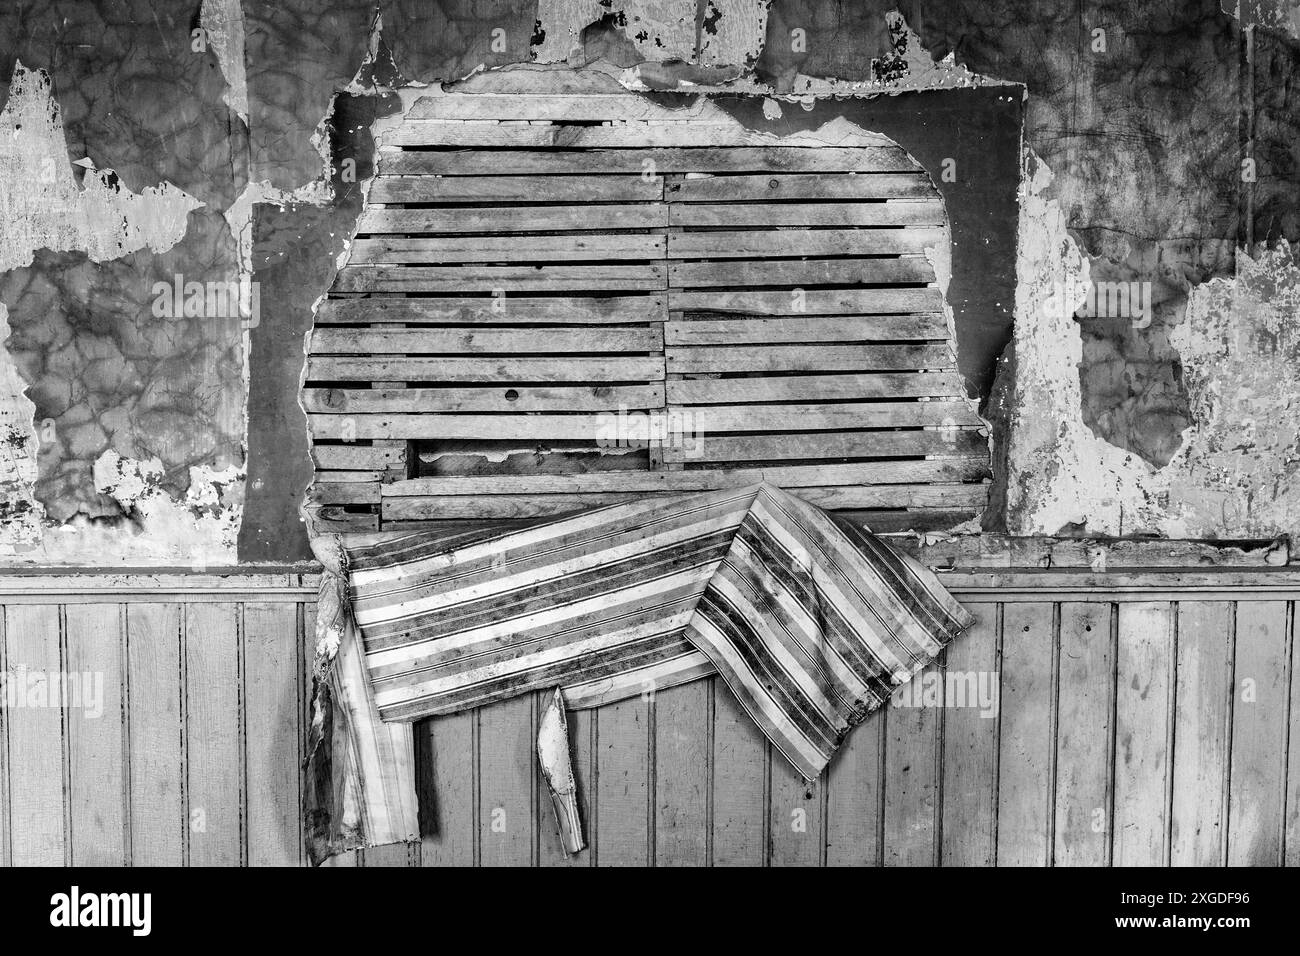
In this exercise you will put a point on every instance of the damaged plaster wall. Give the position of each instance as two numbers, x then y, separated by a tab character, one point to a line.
215	131
1236	471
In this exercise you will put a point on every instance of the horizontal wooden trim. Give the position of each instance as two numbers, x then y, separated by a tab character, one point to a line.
548	310
445	341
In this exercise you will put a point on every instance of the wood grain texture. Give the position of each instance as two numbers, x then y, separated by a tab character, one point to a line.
158	820
507	768
912	781
682	747
1204	697
1025	750
33	657
1084	725
970	745
1143	698
623	801
446	778
1259	735
213	735
97	737
740	784
272	706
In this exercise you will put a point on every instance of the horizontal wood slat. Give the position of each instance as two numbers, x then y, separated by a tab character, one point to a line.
506	278
703	391
831	328
731	244
809	302
795	358
482	189
473	219
507	249
587	398
800	272
499	369
527	310
916	212
479	340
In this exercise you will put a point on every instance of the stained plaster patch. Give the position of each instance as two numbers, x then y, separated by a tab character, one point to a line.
45	208
1235	471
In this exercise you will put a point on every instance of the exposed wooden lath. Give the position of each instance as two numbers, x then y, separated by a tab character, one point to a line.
528	268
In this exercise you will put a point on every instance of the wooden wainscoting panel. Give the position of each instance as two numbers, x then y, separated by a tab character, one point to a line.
1260	693
1084	735
96	645
1144	697
1202	719
38	832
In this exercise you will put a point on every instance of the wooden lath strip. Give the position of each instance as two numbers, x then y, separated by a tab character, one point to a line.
908	212
507	369
758	244
790	329
848	416
503	398
550	310
806	358
783	388
808	302
650	277
508	248
509	219
563	340
820	445
533	189
729	273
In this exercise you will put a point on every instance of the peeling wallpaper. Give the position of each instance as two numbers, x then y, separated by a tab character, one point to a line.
202	142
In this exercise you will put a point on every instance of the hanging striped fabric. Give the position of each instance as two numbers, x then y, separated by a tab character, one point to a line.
810	621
